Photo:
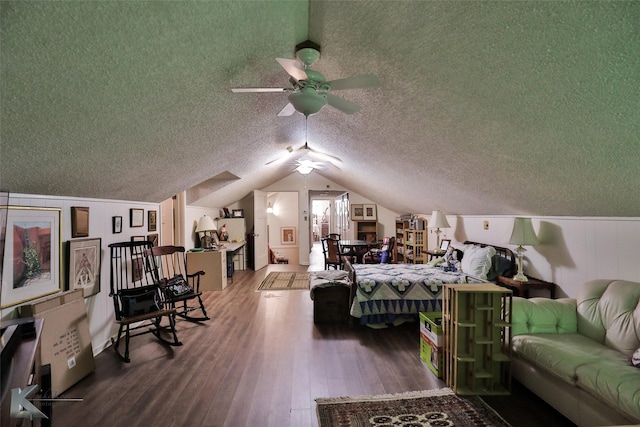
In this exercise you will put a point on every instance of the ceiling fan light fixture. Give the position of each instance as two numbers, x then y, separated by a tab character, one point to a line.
308	102
304	169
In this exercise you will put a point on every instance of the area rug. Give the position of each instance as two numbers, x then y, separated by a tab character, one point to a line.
413	409
282	280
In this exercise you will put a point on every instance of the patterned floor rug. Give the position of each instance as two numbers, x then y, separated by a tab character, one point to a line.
414	409
284	281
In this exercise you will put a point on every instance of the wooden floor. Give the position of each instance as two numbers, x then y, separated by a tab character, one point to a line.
261	361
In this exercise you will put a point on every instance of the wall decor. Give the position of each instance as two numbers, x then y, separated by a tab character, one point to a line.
357	213
138	238
79	221
151	220
237	213
288	235
116	224
153	238
370	213
137	268
84	265
136	217
31	264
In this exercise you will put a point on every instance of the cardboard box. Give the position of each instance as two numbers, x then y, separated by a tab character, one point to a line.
431	355
431	326
431	341
65	342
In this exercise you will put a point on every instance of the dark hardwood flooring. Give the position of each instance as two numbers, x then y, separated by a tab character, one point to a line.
261	361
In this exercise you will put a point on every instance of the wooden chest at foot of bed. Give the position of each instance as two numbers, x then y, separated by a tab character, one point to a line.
331	304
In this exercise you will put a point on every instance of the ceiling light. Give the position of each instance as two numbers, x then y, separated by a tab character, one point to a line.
308	101
269	208
305	166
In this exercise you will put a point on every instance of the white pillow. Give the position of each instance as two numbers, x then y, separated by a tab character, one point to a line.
477	261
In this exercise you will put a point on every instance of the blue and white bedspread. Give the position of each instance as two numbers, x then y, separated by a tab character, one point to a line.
387	293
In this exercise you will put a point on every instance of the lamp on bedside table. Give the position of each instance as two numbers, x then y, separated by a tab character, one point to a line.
438	220
522	234
205	228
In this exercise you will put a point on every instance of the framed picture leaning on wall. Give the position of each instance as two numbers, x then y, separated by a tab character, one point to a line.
31	267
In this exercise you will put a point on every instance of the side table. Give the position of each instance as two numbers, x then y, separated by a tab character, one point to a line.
522	288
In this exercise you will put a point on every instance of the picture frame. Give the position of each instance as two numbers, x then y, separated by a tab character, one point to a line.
237	213
85	256
357	212
116	224
137	269
79	221
287	235
136	217
152	217
444	245
32	259
153	238
370	212
138	238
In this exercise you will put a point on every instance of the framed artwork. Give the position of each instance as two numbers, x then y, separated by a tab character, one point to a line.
136	217
357	213
79	221
84	265
138	238
151	220
31	267
116	224
370	212
287	235
137	269
444	245
237	213
153	238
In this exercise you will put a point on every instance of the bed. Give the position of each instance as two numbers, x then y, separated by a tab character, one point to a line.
385	294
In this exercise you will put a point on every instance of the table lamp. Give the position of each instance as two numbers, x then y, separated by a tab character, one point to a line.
522	234
205	225
438	220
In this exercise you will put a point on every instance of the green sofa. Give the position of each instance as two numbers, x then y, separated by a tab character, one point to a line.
574	353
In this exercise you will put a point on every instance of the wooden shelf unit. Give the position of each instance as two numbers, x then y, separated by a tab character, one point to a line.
398	250
415	246
366	230
477	340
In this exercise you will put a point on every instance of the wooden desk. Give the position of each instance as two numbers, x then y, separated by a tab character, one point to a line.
214	265
522	288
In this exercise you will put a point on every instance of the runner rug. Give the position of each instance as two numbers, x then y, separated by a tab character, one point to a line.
284	281
416	409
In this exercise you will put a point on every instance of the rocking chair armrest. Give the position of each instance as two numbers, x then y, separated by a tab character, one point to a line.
197	273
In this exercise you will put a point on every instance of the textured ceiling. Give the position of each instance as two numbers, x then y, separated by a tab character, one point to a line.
485	107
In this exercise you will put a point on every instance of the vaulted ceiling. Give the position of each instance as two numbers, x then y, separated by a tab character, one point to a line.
484	107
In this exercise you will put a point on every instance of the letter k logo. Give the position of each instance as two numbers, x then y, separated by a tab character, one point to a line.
21	407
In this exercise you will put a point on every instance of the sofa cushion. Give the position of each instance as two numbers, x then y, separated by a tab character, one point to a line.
561	354
609	313
614	381
543	316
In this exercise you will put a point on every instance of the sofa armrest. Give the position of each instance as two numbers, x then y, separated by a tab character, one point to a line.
544	316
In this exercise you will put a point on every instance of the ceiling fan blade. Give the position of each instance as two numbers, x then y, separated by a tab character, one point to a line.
343	105
293	67
357	82
257	89
288	110
323	157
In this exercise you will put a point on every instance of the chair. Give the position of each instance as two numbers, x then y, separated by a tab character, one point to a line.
180	290
383	255
277	258
332	253
137	300
334	236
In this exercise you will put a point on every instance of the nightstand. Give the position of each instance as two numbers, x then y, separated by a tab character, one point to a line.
434	253
522	288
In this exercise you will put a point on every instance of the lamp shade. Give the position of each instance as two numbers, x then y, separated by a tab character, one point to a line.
438	220
523	233
205	224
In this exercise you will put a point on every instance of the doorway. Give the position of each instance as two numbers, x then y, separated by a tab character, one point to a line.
320	218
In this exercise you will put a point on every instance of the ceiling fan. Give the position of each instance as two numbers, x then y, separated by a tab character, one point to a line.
305	159
310	92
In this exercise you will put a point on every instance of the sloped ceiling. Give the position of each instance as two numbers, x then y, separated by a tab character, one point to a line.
485	107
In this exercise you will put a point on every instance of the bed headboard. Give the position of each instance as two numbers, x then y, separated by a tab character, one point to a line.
504	261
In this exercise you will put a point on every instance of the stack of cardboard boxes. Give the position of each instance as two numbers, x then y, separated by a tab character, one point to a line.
431	341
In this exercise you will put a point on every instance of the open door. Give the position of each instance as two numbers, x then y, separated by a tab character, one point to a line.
260	243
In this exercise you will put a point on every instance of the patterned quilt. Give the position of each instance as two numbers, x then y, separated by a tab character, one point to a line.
387	293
